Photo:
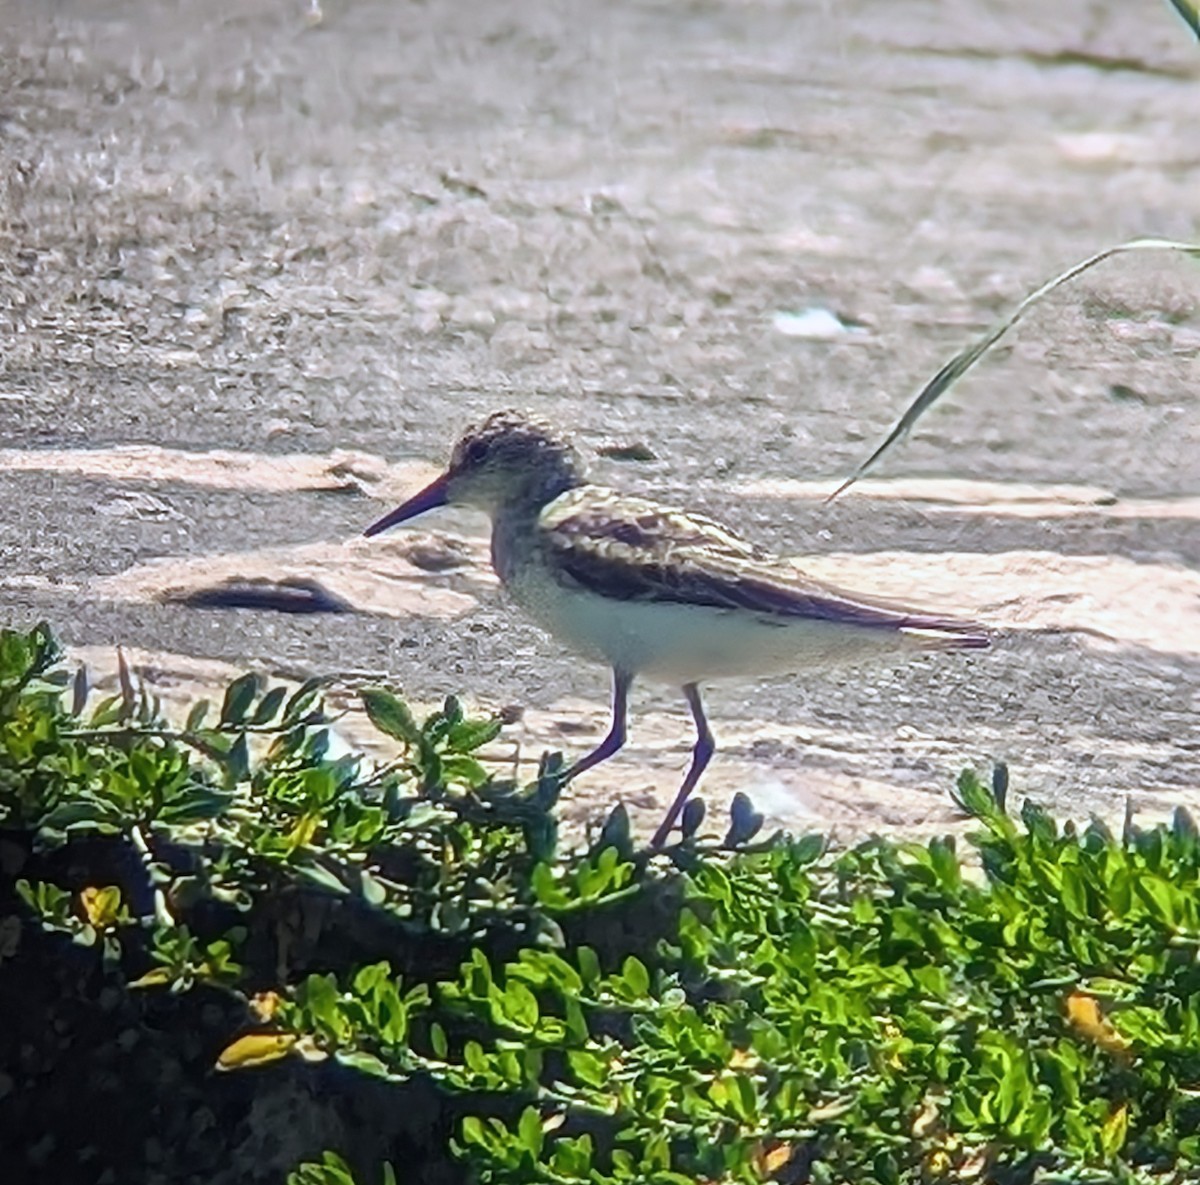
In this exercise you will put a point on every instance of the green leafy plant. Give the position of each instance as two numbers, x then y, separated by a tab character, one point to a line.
331	1169
746	1010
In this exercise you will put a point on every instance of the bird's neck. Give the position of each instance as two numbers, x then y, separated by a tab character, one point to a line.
514	527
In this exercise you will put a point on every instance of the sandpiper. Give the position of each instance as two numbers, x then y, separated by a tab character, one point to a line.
654	591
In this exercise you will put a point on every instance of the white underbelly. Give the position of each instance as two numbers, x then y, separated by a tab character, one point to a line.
694	643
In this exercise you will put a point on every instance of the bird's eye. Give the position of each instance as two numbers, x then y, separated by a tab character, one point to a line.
477	451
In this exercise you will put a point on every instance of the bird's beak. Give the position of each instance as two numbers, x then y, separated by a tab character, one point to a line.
433	495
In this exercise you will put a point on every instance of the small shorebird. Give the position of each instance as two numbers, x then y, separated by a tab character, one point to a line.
654	591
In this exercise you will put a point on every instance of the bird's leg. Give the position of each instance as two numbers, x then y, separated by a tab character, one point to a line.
701	755
616	735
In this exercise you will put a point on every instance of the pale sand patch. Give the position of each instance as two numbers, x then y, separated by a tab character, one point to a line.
848	782
393	577
1011	499
225	469
1105	599
844	806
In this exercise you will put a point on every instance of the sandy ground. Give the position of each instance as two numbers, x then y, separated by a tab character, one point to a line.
257	269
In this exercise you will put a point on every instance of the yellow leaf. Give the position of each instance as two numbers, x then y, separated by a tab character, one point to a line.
926	1119
1085	1017
256	1049
744	1059
264	1005
305	829
1114	1129
156	977
831	1110
770	1156
893	1035
100	906
938	1163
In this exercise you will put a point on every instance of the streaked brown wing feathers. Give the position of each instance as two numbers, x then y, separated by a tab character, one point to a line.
631	549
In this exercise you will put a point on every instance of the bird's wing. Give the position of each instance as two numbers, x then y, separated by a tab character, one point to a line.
632	549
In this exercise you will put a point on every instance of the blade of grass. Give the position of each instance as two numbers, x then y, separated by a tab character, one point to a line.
963	361
1190	12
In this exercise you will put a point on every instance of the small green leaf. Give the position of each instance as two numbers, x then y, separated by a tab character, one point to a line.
239	695
125	680
1038	823
1183	825
808	848
438	1042
193	803
475	1059
1160	897
1074	892
529	1128
463	770
85	812
320	876
393	1016
237	760
373	892
470	735
79	690
269	707
195	717
744	821
972	797
473	1131
108	711
302	700
520	1006
390	715
634	972
692	818
1000	786
589	966
366	1063
615	836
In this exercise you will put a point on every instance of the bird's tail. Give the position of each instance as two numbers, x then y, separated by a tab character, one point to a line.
948	633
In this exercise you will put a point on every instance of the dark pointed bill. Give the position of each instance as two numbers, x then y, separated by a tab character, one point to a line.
432	496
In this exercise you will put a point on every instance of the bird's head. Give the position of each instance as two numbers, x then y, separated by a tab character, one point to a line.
511	459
